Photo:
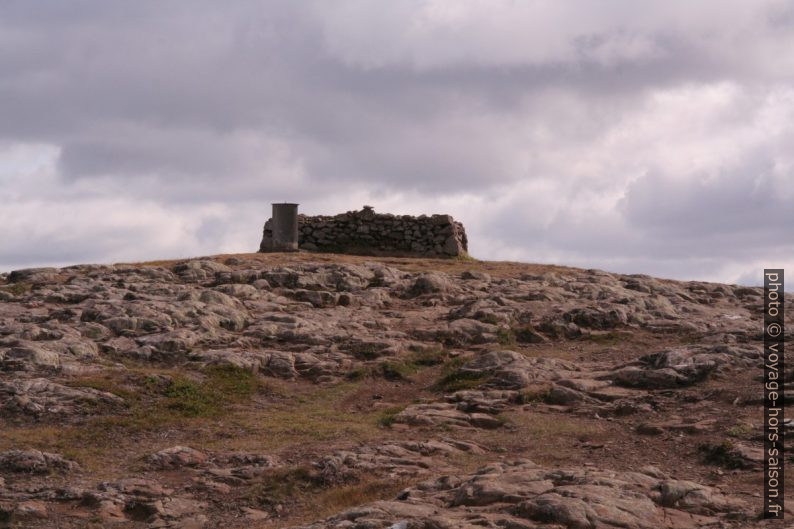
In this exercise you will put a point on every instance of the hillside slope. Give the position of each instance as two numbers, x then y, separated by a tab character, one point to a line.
326	391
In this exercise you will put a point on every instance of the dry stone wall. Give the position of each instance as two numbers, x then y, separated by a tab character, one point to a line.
370	233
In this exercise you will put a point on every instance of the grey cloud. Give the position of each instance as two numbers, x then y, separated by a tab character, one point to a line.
742	203
198	105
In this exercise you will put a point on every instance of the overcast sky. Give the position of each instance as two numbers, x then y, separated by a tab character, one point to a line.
648	137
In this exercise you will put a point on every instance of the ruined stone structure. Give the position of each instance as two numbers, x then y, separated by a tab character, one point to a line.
370	233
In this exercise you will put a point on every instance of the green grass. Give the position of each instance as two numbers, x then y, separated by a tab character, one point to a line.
17	289
363	352
740	430
466	258
505	336
400	369
527	334
389	415
428	357
191	399
490	318
608	338
154	401
533	395
200	411
359	373
223	385
454	379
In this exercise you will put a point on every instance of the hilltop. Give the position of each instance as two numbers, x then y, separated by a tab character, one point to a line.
336	391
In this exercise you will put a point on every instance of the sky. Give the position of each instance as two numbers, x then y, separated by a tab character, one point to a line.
635	137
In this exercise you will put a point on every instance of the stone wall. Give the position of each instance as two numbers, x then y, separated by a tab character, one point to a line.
370	233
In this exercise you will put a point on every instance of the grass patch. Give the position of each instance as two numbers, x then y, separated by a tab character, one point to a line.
17	289
397	370
550	427
336	499
723	454
466	258
223	385
428	357
608	338
536	394
311	415
107	381
506	336
365	354
231	381
493	319
400	369
359	373
548	439
154	401
453	378
527	334
302	489
284	484
740	431
191	399
389	415
194	411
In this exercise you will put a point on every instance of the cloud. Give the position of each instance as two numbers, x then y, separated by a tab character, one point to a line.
647	138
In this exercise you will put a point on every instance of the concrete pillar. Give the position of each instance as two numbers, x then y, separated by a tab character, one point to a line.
285	227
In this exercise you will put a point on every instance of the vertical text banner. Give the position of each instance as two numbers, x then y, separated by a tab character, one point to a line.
773	393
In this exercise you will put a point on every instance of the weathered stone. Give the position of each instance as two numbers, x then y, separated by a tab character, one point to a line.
29	357
318	321
683	366
368	232
176	457
39	397
34	461
523	495
430	284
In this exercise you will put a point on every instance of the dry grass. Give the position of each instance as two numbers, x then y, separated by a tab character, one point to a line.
220	410
17	289
410	264
336	499
153	407
547	439
304	416
309	502
215	412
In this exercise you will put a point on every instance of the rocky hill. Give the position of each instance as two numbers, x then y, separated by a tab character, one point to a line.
323	391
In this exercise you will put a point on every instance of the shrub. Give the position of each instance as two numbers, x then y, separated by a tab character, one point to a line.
740	430
722	454
283	484
505	336
453	378
397	370
389	415
534	394
359	373
428	357
17	289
